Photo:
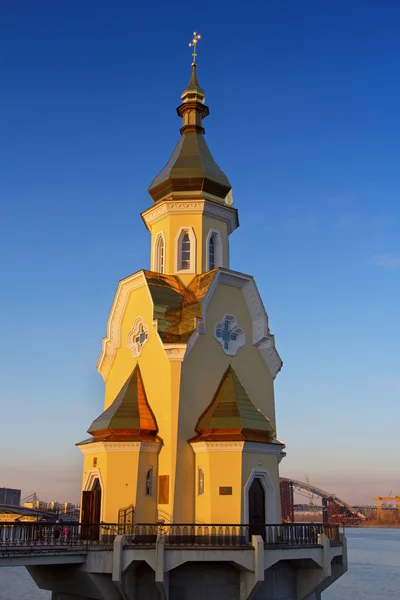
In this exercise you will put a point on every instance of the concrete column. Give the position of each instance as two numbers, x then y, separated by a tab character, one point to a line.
118	565
161	577
250	581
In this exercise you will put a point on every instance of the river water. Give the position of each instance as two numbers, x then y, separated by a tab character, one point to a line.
374	573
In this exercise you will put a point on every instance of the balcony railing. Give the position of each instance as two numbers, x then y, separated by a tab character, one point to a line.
80	536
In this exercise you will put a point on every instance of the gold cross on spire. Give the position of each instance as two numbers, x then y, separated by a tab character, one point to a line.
196	37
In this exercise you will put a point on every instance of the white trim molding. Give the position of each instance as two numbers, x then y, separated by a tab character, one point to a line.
274	448
178	250
158	262
218	249
96	447
223	212
175	352
199	447
270	495
112	341
262	338
137	337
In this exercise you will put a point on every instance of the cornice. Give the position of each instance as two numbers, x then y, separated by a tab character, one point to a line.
225	213
199	447
274	449
175	352
96	447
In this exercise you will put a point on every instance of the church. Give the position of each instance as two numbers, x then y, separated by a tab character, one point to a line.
188	430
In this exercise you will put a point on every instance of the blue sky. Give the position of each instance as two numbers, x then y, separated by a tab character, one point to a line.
304	121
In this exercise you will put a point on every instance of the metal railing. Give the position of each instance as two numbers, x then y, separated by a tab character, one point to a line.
299	535
192	534
63	536
75	536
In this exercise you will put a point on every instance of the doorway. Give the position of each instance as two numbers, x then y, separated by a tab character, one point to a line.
257	508
91	512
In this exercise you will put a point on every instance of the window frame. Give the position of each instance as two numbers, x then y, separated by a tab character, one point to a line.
179	240
214	235
149	478
200	481
159	246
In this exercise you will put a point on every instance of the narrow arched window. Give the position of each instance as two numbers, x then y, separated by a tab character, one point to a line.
200	482
149	482
185	251
214	250
211	253
159	254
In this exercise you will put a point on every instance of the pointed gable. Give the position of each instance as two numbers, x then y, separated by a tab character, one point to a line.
232	416
129	416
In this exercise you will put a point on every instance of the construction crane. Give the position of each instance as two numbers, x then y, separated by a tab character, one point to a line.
382	502
30	498
309	492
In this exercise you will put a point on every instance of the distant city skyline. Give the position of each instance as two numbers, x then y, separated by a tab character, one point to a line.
303	120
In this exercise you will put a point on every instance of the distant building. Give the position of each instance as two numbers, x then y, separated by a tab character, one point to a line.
10	496
36	505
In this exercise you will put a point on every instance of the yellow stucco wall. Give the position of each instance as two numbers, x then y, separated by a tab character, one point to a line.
171	225
123	480
161	380
255	460
227	468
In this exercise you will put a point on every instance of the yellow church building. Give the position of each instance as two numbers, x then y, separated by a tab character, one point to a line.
188	431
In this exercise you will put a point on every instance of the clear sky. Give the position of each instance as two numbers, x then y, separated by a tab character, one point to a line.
305	120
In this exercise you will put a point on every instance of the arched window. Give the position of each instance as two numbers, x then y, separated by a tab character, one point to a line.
214	250
186	251
149	482
211	253
159	253
200	482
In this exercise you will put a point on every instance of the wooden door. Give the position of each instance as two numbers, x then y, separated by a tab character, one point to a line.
257	508
91	511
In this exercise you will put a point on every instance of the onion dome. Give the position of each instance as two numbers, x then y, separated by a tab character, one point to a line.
232	416
191	171
129	417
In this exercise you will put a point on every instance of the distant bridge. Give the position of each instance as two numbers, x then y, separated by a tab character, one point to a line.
333	508
11	509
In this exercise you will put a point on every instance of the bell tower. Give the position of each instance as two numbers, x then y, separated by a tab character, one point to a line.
192	216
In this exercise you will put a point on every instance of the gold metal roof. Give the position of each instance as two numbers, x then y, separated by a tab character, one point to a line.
191	167
232	416
129	415
177	307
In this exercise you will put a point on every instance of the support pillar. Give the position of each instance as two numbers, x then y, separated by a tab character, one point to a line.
251	581
161	577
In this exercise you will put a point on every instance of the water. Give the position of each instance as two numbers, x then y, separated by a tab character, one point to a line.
374	557
374	566
17	584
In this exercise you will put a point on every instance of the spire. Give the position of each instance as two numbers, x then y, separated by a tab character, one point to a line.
129	416
232	415
191	171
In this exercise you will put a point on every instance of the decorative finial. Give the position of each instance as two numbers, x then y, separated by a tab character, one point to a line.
196	37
